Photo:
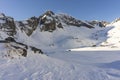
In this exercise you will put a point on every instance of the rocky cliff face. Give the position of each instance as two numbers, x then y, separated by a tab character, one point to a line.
7	25
28	26
50	21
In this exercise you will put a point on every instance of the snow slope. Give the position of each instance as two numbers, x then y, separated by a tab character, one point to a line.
69	37
71	53
113	39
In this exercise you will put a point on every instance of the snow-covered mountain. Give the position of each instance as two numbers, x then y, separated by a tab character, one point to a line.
52	30
67	48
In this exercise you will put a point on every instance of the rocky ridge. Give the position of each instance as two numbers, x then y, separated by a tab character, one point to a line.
48	21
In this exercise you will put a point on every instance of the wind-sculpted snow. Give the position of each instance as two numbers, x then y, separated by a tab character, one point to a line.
62	65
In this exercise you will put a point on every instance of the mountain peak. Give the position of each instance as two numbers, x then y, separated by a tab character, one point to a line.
49	12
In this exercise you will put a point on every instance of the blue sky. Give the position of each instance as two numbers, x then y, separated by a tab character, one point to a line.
81	9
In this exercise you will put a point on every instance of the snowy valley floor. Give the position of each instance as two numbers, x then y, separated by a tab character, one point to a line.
75	64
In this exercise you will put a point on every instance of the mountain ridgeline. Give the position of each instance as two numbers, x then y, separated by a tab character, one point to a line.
49	21
19	36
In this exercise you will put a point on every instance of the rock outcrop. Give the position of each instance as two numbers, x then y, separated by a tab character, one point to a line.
28	26
16	48
7	25
98	23
71	21
49	21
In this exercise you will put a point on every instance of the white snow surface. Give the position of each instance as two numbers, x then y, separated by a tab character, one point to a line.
69	55
113	37
2	21
69	37
62	65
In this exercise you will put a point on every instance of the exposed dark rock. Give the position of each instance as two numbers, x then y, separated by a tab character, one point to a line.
86	25
21	25
32	23
29	26
59	25
8	25
48	22
69	20
49	26
24	53
36	50
3	41
19	48
24	45
10	39
94	45
98	23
